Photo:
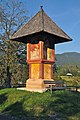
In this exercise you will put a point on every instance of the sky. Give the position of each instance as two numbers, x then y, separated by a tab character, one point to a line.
66	14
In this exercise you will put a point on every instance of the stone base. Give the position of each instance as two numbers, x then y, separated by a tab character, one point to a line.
36	85
33	90
22	88
36	90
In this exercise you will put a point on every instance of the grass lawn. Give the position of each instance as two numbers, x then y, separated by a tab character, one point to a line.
74	80
24	105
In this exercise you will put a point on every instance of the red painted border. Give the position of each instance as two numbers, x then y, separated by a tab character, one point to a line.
51	71
29	71
41	71
40	61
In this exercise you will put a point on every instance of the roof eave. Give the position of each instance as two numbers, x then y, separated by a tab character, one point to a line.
41	35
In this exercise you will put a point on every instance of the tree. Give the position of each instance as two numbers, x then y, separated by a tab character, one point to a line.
12	17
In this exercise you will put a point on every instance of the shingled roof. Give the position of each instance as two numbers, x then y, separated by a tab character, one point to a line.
40	23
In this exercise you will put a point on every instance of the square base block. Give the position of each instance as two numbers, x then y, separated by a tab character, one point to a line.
36	85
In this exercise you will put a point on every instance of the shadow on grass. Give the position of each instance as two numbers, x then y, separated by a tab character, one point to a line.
16	110
66	105
3	98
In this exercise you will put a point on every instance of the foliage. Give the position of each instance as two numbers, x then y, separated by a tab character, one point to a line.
12	16
71	81
63	70
19	73
63	105
61	74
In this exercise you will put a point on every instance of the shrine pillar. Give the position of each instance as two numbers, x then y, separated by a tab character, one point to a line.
40	58
40	34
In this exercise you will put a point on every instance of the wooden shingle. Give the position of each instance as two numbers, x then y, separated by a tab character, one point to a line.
42	24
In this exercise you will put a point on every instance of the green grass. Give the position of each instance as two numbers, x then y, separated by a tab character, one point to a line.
74	80
36	106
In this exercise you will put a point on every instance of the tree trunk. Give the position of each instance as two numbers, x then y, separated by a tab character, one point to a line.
8	79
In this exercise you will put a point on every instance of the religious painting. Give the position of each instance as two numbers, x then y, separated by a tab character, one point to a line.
47	71
34	51
35	75
49	53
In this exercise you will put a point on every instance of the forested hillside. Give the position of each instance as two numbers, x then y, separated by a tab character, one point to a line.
69	58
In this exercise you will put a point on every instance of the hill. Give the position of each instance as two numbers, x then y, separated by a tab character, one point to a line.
69	58
24	105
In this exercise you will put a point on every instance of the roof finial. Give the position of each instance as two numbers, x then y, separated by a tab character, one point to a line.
41	7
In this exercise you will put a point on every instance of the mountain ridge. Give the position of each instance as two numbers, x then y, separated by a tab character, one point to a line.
69	58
